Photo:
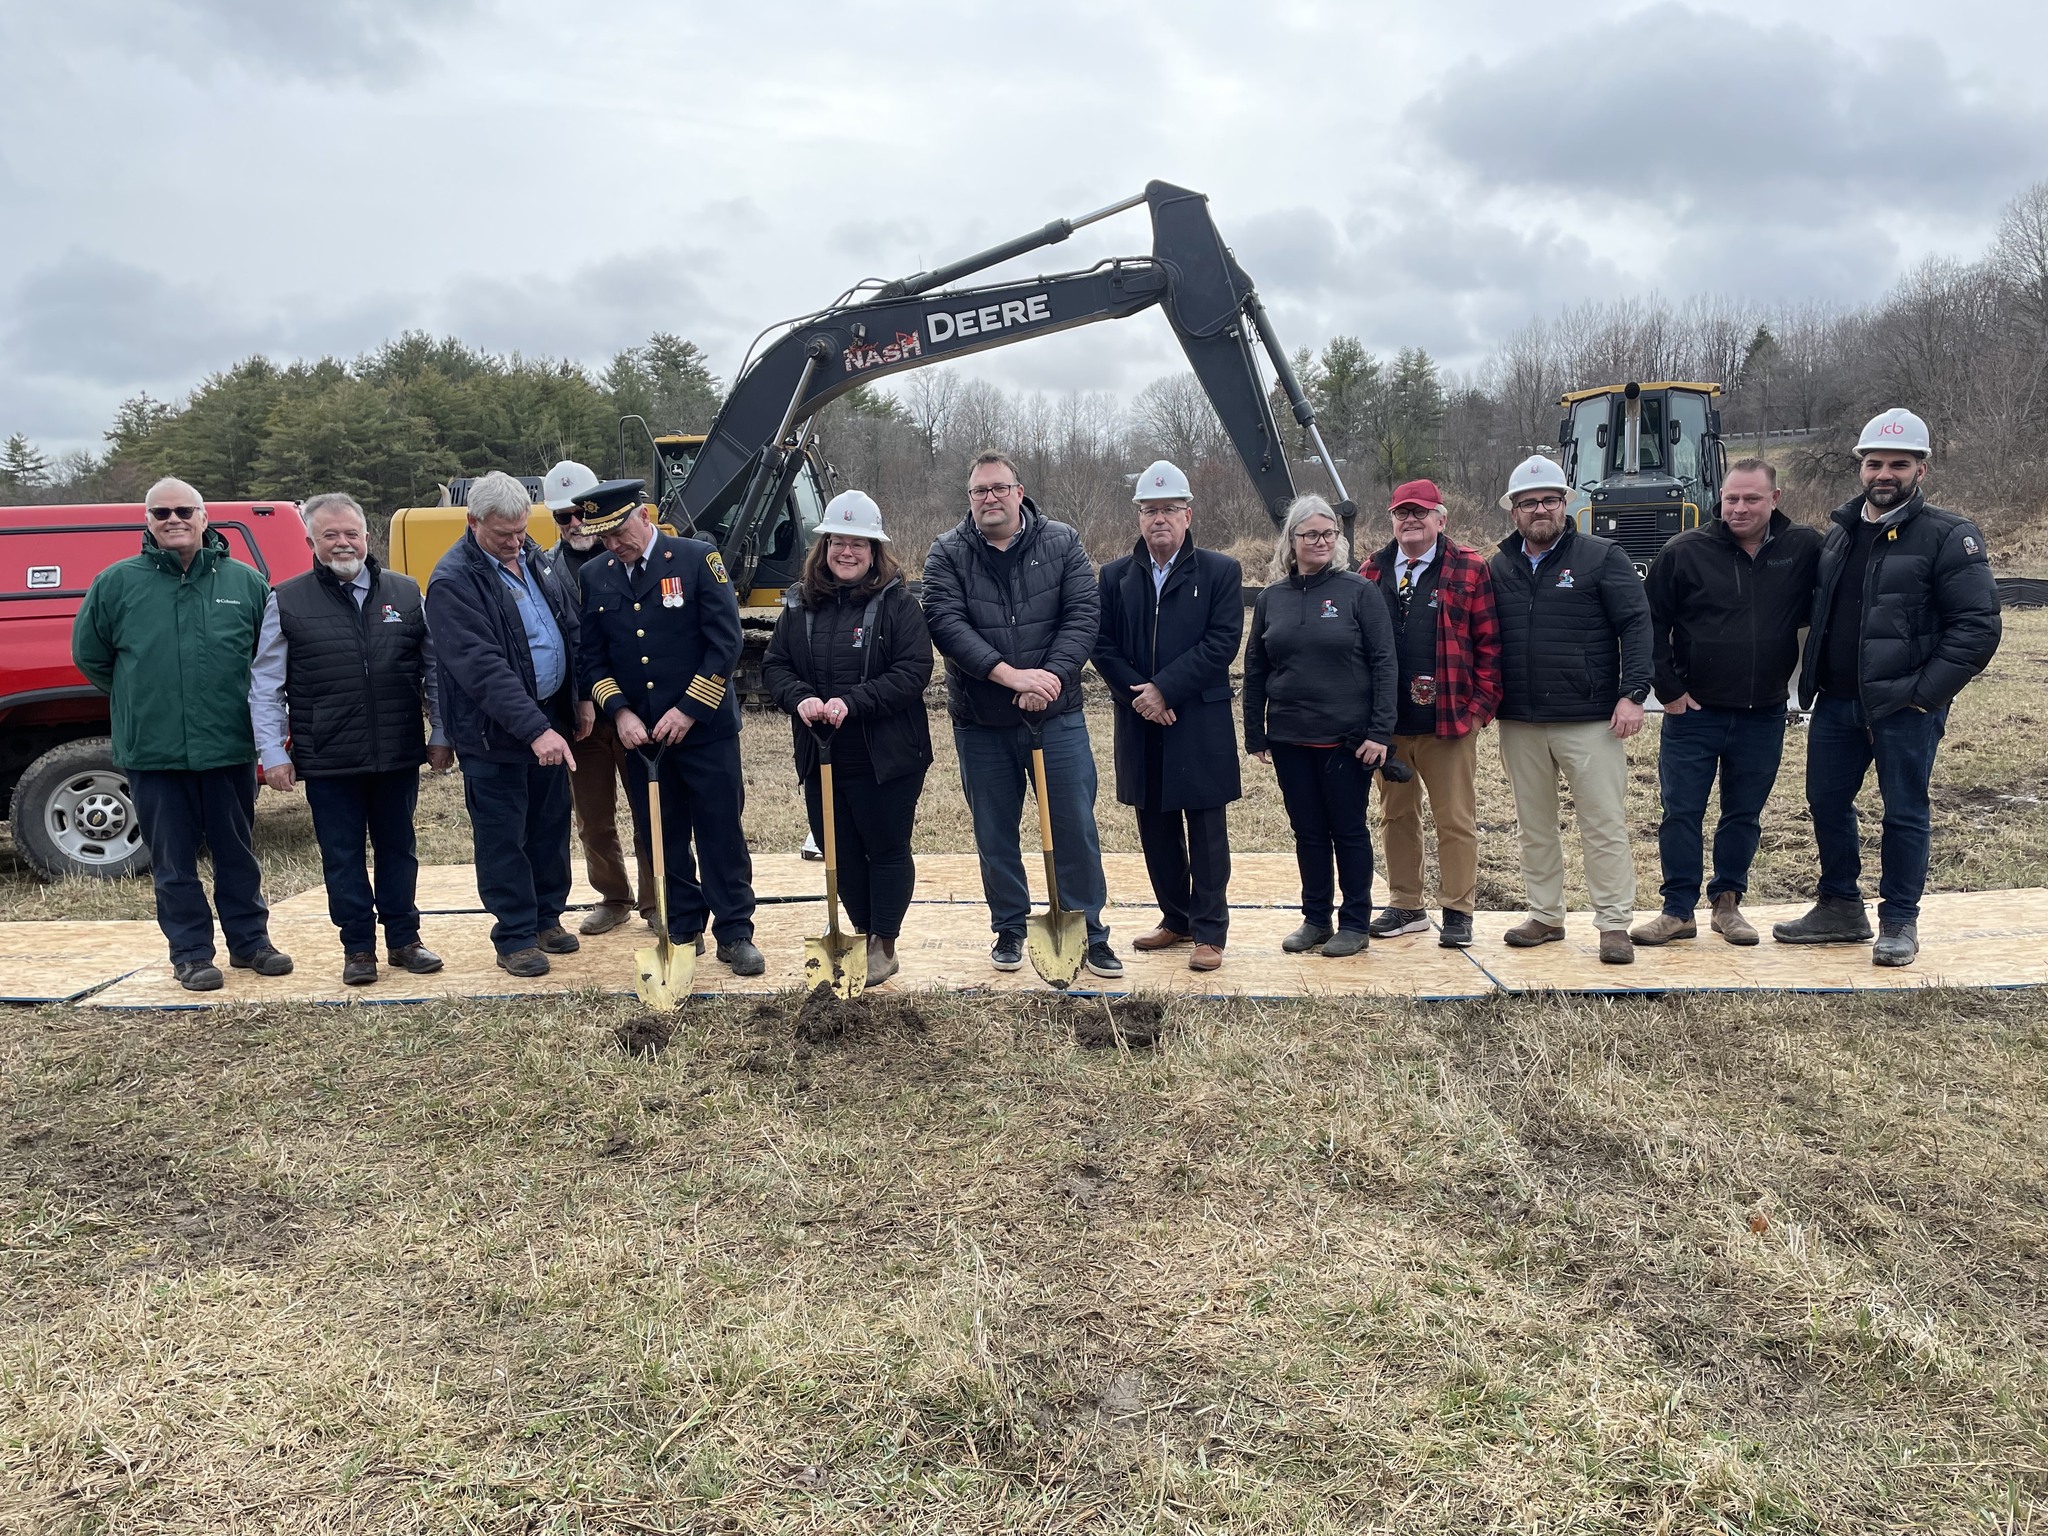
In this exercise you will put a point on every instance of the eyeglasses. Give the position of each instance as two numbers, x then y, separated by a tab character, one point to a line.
990	492
1164	508
1540	504
182	514
1411	514
1324	536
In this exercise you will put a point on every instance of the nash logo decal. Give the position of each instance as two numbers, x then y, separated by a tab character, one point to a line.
717	566
861	356
942	325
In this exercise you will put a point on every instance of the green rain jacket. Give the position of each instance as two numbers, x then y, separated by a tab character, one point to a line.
171	646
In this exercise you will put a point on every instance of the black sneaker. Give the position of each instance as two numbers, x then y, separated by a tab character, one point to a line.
744	958
197	975
1398	920
1102	960
1007	954
264	962
1457	931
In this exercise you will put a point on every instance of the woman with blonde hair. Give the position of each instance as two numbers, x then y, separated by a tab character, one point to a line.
1319	678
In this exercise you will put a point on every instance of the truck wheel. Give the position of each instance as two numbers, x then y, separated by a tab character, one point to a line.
72	814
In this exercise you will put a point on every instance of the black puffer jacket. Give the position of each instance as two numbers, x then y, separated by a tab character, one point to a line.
355	679
1037	610
881	675
1930	608
1725	624
1320	667
1574	632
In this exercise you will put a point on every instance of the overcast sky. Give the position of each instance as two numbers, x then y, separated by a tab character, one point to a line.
184	182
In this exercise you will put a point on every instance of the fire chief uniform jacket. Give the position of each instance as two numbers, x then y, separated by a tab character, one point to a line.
666	638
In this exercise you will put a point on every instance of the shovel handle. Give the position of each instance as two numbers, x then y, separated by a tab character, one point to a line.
653	761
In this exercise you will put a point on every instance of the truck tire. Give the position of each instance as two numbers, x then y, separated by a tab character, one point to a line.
72	814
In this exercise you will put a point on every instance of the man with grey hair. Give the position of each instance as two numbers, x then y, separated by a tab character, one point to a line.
506	637
342	668
169	635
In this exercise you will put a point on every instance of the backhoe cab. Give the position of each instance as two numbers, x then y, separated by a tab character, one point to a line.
1644	460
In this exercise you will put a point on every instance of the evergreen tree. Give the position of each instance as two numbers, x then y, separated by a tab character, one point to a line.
23	466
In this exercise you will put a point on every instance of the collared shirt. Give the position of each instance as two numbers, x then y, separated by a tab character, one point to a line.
267	705
1160	573
543	637
1408	571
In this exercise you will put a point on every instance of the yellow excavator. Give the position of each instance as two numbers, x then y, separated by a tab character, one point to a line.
1644	460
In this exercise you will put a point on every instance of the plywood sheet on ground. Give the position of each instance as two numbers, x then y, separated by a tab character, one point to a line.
57	961
945	948
1975	939
1257	880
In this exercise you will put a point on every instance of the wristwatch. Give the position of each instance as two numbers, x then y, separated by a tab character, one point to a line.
1636	695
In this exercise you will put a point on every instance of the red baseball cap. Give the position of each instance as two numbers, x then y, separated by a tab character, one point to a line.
1420	493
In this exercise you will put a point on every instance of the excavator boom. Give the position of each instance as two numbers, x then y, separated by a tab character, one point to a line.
905	324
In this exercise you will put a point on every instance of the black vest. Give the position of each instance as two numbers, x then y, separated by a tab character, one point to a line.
1414	644
354	681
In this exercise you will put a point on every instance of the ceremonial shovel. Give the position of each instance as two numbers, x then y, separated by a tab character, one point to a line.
840	959
1056	940
664	973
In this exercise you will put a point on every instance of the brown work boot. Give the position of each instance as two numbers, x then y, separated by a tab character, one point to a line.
1532	931
1615	948
1207	957
1728	920
1161	937
1662	929
604	917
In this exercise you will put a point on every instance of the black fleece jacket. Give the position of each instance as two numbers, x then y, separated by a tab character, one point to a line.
1320	667
1724	625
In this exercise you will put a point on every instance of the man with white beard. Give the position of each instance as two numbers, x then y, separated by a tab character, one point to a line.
344	666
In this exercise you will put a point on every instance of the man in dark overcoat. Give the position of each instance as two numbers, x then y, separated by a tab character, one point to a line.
1172	620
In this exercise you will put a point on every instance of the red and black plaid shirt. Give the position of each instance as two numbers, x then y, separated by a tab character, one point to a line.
1467	637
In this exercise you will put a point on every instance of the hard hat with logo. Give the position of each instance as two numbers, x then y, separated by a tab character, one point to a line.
853	515
565	483
1535	473
1161	481
1897	428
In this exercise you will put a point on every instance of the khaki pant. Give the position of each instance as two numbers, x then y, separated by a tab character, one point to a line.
1595	764
595	786
1448	768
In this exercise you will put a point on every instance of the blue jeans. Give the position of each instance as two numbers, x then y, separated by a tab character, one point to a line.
183	811
995	764
519	824
348	810
1840	750
1743	748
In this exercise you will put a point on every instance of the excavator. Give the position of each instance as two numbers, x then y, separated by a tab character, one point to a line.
755	483
1643	461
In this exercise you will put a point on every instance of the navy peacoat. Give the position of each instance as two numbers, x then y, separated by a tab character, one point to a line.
1183	642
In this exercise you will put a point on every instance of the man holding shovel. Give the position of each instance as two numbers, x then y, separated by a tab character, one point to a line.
662	633
1011	603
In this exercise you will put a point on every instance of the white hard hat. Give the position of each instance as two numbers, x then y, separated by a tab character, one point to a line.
853	515
1535	473
1896	428
566	482
1161	481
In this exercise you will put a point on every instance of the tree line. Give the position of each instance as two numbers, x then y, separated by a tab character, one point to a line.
1964	343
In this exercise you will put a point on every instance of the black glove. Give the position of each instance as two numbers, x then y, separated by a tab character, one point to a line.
1394	771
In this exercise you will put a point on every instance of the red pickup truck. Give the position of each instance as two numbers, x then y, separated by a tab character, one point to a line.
67	802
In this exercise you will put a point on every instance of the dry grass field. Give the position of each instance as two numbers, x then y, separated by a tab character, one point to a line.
1689	1264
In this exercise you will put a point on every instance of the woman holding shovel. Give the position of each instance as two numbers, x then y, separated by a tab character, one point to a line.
850	661
1319	675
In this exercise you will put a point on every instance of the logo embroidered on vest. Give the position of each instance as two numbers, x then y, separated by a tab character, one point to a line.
1329	608
860	636
391	616
1564	578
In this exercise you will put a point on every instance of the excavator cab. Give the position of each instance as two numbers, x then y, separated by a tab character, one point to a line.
1644	461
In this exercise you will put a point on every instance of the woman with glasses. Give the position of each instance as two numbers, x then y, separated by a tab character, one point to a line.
1319	674
850	660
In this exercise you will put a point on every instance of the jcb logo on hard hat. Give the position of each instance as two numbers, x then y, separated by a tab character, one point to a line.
1892	429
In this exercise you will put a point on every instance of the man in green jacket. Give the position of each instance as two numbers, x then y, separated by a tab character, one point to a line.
169	635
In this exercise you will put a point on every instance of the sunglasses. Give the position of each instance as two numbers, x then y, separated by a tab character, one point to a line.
182	514
564	519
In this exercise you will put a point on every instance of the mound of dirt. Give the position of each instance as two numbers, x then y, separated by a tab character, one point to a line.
824	1015
1101	1023
645	1034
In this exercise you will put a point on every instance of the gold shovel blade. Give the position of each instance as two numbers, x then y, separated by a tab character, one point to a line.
1057	942
663	975
838	960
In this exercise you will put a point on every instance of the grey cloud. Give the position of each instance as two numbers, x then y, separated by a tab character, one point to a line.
1671	106
92	317
615	302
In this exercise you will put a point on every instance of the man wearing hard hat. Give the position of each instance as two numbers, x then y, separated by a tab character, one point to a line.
1575	669
1172	619
1905	612
600	760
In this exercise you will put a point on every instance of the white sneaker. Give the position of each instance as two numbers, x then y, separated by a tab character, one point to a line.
811	850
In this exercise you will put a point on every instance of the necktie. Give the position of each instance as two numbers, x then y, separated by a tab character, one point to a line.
1407	584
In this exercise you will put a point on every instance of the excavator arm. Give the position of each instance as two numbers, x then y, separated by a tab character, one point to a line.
1215	312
